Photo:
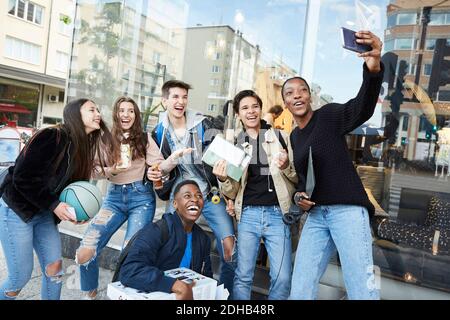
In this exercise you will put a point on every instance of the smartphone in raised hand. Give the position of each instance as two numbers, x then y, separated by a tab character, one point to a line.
349	41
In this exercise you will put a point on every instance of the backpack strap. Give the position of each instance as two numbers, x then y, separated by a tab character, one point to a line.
164	228
3	174
201	133
159	133
123	256
281	139
162	225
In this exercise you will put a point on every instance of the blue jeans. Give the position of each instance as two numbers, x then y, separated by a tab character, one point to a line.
18	240
327	228
134	202
263	222
222	226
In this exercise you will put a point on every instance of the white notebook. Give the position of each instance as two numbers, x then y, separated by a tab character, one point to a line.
237	160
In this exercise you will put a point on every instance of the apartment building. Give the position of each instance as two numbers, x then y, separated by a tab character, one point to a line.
127	48
218	62
35	44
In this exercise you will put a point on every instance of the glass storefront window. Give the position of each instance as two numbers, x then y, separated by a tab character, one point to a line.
222	47
414	158
18	103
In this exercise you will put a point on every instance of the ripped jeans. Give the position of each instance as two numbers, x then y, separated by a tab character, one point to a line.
18	240
135	203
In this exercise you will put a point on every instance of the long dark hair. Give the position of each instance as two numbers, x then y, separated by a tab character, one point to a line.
85	146
136	139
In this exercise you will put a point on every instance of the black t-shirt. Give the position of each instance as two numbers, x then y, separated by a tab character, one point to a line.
259	181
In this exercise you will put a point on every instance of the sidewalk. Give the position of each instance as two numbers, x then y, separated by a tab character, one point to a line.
70	288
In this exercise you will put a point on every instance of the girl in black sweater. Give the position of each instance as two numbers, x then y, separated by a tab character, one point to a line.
29	205
338	207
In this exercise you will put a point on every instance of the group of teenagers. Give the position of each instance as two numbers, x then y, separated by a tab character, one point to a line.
83	148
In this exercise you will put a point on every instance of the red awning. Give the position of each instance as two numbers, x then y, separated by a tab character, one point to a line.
14	108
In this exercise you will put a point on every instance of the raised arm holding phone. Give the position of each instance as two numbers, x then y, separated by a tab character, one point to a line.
339	209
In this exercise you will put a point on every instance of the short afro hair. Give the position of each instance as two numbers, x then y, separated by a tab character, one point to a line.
182	184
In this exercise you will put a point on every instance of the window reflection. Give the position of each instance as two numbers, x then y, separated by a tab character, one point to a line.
402	154
410	174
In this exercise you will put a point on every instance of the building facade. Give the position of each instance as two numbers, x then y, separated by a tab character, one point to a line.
403	164
218	62
413	28
35	42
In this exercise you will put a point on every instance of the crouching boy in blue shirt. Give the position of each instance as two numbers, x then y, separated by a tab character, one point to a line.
187	245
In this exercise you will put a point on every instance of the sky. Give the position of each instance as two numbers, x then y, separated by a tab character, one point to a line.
278	27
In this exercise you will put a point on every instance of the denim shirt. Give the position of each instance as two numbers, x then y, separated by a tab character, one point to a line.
185	163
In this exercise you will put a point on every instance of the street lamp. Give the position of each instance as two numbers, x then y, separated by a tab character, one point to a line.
238	19
425	19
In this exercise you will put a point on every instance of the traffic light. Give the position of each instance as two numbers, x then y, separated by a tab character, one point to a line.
404	141
389	60
440	69
398	96
429	131
426	15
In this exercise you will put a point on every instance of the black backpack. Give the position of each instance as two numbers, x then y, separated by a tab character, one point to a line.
162	225
3	174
